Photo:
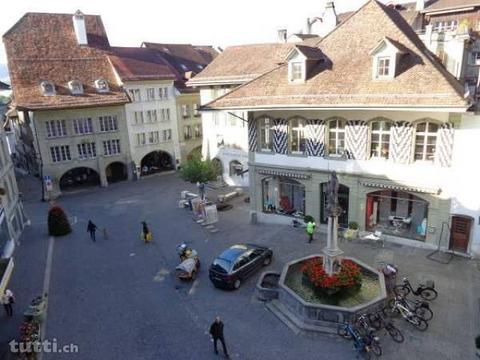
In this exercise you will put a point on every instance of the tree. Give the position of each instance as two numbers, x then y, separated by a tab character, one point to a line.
197	170
58	224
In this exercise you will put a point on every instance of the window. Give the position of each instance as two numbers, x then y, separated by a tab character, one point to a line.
48	89
60	153
197	131
380	139
102	86
138	117
151	116
86	151
425	141
266	134
82	126
187	132
135	95
56	128
383	66
474	58
76	87
165	93
167	135
284	196
336	137
216	118
153	137
296	71
141	139
165	114
111	147
185	110
196	112
150	94
108	123
235	168
233	120
441	26
297	136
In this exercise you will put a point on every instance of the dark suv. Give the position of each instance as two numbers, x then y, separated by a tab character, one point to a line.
237	263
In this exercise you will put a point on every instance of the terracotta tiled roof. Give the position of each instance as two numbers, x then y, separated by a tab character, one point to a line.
306	36
43	47
134	64
311	53
183	57
242	63
438	5
345	79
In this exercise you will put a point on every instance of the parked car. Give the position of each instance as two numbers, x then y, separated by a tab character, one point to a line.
237	263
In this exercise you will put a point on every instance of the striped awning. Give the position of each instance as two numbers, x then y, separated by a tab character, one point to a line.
402	188
284	174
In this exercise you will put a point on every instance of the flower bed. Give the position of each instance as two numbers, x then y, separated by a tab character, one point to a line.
347	280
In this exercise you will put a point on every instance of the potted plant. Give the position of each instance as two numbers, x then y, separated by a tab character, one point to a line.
352	231
477	345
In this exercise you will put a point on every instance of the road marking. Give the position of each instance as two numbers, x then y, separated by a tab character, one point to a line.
161	275
46	286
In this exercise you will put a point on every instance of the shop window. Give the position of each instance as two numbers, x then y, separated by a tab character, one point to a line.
397	213
343	198
283	196
266	134
380	139
425	141
297	136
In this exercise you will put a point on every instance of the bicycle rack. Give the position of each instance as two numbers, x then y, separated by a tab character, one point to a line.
449	255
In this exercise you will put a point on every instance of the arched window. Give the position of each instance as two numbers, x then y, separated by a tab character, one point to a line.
425	141
47	88
380	139
236	168
297	136
336	137
76	87
265	127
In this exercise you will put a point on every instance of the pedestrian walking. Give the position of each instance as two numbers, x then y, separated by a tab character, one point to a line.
216	330
91	228
310	230
146	234
7	300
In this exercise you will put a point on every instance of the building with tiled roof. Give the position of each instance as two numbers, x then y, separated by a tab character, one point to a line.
69	98
381	111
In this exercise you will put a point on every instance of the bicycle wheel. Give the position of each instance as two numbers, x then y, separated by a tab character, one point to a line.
429	294
375	321
395	334
401	290
419	323
376	348
424	312
391	310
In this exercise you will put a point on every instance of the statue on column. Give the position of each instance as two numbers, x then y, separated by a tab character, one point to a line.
333	207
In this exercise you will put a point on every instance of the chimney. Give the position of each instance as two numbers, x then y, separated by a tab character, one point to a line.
80	29
329	19
282	35
420	5
308	28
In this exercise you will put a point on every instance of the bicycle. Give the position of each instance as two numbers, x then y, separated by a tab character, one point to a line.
399	308
378	322
419	307
364	345
426	291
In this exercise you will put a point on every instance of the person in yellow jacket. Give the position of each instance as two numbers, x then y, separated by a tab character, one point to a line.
310	230
146	234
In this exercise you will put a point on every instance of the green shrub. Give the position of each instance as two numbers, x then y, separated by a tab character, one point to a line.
196	170
308	218
353	225
58	224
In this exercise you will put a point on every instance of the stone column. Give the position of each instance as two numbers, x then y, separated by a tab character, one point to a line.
331	251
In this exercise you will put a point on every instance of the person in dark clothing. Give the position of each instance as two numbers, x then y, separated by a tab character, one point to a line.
7	300
145	232
216	330
91	228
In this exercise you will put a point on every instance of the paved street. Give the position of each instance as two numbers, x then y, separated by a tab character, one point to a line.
118	298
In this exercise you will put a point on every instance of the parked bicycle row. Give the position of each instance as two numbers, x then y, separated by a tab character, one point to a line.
407	303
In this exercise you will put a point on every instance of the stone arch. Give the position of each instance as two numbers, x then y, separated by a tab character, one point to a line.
218	164
79	177
155	162
116	171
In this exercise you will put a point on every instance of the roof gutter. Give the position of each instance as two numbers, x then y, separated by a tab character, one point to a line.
449	10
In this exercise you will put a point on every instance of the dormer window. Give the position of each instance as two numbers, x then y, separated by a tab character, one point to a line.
101	85
48	89
383	66
76	87
301	60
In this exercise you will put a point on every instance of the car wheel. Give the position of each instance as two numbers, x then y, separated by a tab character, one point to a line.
267	261
237	283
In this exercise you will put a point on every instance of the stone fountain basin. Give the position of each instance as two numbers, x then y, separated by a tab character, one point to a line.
320	317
